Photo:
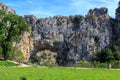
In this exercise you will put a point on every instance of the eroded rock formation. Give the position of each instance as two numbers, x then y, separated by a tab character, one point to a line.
66	40
24	45
72	38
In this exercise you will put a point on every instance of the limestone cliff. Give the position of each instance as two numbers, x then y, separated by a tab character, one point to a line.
67	39
24	45
72	38
116	26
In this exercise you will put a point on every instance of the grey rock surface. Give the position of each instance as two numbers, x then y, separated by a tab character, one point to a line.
73	38
66	40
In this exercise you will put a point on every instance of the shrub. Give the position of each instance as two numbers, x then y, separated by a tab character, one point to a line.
35	59
49	64
109	55
18	55
85	64
105	55
100	65
116	64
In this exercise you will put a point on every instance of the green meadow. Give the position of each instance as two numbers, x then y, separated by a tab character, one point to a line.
37	73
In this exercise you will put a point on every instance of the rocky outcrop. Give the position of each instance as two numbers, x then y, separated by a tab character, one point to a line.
66	40
46	57
72	38
6	9
117	17
24	45
116	27
102	12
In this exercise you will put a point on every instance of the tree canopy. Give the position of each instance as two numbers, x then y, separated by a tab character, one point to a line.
11	27
109	54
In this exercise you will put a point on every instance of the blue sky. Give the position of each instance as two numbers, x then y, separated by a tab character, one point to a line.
46	8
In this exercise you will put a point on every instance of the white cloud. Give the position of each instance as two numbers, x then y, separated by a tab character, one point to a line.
46	8
82	6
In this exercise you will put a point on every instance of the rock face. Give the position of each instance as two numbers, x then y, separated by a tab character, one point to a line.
66	40
117	17
116	26
6	9
102	12
46	57
24	45
72	38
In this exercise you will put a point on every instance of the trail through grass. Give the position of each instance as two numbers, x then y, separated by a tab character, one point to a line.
6	63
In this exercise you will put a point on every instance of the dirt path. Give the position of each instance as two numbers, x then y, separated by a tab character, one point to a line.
96	68
27	65
20	64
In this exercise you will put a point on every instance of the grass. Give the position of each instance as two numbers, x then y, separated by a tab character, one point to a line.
35	73
6	63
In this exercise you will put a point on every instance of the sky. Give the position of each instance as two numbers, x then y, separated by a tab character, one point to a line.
47	8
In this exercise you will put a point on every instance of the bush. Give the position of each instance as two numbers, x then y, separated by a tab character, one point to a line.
35	59
108	55
49	64
18	55
116	55
116	64
100	65
85	64
105	55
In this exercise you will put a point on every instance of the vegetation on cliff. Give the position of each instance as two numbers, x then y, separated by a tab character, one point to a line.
60	40
11	27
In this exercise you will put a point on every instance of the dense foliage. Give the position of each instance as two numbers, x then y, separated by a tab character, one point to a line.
11	27
109	54
103	59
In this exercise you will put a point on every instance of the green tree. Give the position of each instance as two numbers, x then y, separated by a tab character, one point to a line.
116	55
105	55
11	27
116	52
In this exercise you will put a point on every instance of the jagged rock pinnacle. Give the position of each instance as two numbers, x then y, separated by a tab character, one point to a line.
102	12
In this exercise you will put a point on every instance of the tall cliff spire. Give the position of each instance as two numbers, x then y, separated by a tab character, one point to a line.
117	17
119	3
